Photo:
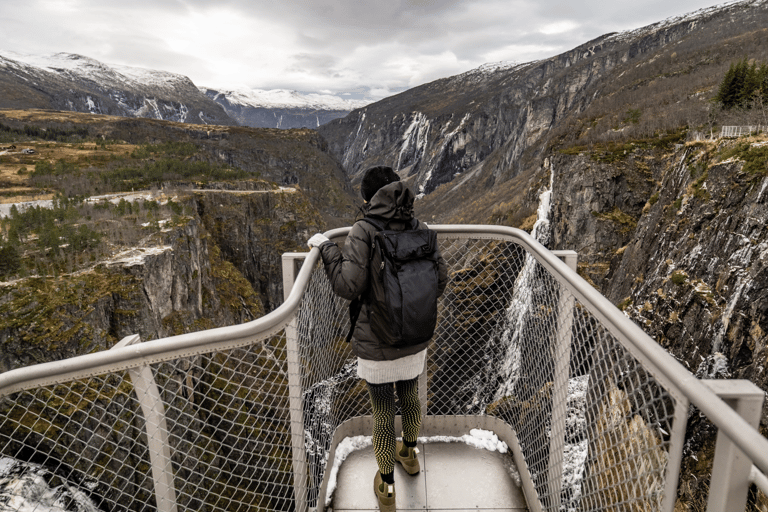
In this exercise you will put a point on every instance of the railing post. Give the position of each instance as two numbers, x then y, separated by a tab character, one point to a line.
561	355
731	468
152	407
675	453
291	265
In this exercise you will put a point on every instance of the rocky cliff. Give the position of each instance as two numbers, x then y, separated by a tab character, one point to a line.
676	238
254	228
220	267
175	282
479	130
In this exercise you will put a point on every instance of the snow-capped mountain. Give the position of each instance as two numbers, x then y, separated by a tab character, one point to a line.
280	108
65	81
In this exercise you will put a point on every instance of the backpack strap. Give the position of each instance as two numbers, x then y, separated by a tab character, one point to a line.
354	313
357	304
375	223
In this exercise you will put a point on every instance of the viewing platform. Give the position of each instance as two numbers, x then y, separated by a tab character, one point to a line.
256	416
454	477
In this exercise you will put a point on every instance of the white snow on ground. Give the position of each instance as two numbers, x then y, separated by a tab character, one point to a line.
136	256
478	438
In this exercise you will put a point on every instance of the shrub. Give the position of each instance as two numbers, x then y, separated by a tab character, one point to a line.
679	277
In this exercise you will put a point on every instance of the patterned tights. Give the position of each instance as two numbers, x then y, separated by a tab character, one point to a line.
383	404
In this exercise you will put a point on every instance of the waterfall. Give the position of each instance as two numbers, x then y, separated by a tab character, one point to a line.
25	486
522	301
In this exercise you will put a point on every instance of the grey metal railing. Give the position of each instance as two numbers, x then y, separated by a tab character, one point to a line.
738	131
249	416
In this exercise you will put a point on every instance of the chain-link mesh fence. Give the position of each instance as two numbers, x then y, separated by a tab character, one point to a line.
593	423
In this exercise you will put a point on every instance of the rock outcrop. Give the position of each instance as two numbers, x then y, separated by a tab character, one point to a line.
254	228
175	282
677	240
220	267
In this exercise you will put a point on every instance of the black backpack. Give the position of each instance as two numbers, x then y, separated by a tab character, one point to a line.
402	291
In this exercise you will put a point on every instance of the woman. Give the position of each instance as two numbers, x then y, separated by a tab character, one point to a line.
384	367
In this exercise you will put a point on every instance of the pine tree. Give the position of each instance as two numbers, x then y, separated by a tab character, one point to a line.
741	83
10	260
728	92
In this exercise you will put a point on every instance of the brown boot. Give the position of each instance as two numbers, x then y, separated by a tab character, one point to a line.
408	458
385	493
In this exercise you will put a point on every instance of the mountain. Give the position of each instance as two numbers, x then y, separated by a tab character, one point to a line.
668	219
476	131
279	108
77	83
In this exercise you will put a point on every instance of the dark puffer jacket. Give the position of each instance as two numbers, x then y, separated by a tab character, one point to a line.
348	273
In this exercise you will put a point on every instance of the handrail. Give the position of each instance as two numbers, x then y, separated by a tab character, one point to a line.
749	440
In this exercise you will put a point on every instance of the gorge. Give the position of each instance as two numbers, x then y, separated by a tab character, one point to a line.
668	218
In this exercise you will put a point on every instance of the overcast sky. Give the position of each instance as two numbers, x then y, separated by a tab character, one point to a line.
370	47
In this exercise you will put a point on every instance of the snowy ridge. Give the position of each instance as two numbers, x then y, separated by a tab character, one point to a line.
674	20
283	98
487	70
82	67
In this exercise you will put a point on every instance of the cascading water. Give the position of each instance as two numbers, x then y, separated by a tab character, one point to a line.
318	422
28	487
522	301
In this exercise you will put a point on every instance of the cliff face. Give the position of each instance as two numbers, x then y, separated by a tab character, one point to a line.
254	228
484	119
174	281
472	133
218	268
678	240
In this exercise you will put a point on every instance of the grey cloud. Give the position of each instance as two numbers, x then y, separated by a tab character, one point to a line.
322	33
313	63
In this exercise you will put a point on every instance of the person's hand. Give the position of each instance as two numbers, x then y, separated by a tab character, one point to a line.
317	240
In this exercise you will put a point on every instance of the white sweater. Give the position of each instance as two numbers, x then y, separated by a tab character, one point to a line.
382	372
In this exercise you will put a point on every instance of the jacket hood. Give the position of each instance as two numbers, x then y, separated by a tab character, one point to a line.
392	202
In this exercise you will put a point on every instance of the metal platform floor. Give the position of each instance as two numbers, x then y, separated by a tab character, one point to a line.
454	477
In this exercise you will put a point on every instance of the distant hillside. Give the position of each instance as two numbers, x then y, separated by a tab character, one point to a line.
187	223
281	108
471	138
77	83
